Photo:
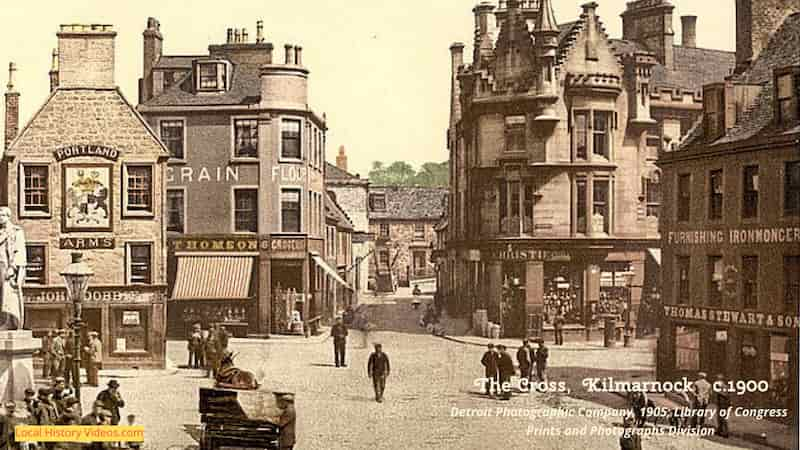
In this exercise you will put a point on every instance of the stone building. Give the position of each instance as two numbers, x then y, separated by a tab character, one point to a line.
339	254
731	221
402	220
349	191
86	174
245	190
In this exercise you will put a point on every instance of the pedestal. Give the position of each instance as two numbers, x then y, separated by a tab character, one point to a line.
16	363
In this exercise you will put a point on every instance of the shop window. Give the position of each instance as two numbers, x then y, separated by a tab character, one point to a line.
791	283
515	133
245	138
714	271
750	192
563	293
419	231
36	270
129	330
715	194
245	213
600	134
684	197
687	348
377	202
791	189
580	206
140	263
173	136
290	211
384	230
601	207
684	263
138	189
750	281
580	135
175	210
779	354
290	139
36	190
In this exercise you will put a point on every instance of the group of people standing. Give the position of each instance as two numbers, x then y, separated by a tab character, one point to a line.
58	356
499	366
206	347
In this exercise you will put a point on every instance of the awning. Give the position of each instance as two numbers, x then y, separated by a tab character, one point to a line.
656	254
213	278
329	270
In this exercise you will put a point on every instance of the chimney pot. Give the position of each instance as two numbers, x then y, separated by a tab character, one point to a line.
259	31
245	38
11	69
298	55
288	57
237	35
12	108
689	31
229	39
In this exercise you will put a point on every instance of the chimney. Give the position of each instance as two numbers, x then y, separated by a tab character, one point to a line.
649	22
259	32
289	54
12	107
689	31
229	38
590	17
152	47
298	55
237	36
341	159
245	37
86	56
484	45
54	71
456	61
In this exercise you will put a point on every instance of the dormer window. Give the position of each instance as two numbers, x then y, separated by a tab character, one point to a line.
714	111
212	76
787	87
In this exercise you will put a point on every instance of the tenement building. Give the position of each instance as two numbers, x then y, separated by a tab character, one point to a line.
731	229
245	190
548	153
402	220
87	174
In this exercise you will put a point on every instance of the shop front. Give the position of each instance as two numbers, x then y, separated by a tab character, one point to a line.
129	320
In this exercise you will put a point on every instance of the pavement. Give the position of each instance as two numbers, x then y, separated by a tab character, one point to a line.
432	399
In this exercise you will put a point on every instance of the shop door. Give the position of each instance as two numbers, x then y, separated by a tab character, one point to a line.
92	321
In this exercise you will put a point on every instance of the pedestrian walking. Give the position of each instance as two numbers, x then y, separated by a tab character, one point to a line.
47	354
505	368
57	352
194	345
94	354
222	340
542	354
132	445
69	355
489	361
524	360
339	333
723	403
112	400
558	327
702	395
286	436
378	369
630	439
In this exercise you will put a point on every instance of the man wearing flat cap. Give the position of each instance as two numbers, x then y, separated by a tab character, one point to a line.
378	369
45	413
286	438
339	334
112	401
489	361
94	353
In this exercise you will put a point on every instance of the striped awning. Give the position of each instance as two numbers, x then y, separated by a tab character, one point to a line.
330	271
213	278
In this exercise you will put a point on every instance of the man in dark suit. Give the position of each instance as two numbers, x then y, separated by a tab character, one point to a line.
489	362
505	367
542	353
339	334
112	401
524	360
378	369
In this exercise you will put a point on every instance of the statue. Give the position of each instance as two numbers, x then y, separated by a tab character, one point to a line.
231	377
12	268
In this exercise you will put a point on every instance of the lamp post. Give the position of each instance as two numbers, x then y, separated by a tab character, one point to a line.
629	274
76	277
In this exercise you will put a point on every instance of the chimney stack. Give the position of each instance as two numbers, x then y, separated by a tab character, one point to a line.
456	61
341	159
484	45
298	55
245	37
86	56
237	36
689	31
289	54
229	39
12	107
54	71
259	32
152	48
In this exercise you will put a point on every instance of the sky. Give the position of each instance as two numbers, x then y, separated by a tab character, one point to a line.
380	69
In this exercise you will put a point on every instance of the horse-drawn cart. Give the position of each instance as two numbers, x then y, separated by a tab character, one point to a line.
233	418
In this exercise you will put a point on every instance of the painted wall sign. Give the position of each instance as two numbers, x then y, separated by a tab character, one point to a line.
202	174
289	174
731	317
70	243
287	245
219	244
519	253
97	295
87	199
778	235
74	151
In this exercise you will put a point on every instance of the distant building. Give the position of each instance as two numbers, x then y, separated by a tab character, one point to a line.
245	190
87	174
731	222
339	293
350	193
402	219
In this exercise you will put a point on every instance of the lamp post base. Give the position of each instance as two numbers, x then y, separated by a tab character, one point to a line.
16	363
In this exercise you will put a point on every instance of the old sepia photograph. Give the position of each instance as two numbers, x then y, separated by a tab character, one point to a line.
367	224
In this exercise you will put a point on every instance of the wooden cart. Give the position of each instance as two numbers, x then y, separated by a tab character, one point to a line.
238	419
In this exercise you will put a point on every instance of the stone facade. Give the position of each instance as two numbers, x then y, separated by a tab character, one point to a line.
756	22
402	243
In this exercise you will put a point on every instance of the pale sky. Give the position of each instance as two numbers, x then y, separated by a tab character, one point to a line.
379	69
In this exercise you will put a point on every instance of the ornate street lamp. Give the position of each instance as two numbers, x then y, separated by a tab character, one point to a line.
76	277
629	275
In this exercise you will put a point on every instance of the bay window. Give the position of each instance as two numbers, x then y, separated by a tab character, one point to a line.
517	200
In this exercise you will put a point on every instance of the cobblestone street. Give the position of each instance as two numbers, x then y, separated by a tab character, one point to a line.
430	376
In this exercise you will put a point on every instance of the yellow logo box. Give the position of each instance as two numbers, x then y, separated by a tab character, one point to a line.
78	433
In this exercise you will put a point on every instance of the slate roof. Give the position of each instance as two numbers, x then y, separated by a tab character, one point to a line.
245	89
410	203
783	50
333	173
335	212
177	62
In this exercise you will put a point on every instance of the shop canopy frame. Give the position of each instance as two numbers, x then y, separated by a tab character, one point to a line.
329	270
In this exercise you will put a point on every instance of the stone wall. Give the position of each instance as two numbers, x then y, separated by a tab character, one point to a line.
756	21
401	244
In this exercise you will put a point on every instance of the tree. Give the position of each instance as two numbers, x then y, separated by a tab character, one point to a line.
400	173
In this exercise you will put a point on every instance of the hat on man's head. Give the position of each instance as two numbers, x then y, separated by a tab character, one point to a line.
10	405
29	391
287	397
71	401
113	384
490	345
94	333
702	374
45	391
59	380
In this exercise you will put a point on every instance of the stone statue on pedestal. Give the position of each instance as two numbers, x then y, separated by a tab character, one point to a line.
12	270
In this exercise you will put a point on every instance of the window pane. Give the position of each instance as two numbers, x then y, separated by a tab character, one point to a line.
750	192
246	139
140	263
36	188
791	205
139	188
683	279
714	271
581	142
377	202
601	119
290	139
600	213
175	219
35	270
750	281
290	211
715	195
653	193
580	206
791	283
684	197
172	136
246	210
208	76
